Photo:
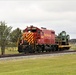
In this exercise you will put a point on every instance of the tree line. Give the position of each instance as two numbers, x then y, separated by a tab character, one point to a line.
8	36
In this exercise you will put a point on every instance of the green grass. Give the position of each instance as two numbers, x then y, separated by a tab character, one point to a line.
73	46
52	65
10	50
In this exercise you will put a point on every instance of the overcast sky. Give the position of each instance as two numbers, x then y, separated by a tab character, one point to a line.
57	15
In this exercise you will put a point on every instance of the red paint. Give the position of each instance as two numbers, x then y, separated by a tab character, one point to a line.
47	37
42	36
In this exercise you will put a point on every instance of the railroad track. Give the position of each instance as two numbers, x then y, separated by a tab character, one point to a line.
32	54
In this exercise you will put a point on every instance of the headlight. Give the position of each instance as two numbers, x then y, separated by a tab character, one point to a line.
63	34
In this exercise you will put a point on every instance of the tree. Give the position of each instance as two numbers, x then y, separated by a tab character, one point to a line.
4	35
15	34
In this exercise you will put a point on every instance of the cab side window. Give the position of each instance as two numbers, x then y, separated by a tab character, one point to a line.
38	31
42	33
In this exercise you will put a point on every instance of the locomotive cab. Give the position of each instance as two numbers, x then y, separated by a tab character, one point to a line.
63	41
29	39
36	31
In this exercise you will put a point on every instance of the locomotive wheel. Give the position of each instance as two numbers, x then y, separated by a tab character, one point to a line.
68	48
54	47
28	49
20	49
43	47
39	49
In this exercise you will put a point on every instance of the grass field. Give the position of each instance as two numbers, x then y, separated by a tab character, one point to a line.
10	50
52	65
73	46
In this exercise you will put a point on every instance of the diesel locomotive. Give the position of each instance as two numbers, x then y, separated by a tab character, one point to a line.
36	39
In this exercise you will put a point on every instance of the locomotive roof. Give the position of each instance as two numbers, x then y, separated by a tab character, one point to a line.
41	29
31	28
47	30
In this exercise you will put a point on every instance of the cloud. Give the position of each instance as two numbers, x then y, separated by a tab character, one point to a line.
54	14
59	5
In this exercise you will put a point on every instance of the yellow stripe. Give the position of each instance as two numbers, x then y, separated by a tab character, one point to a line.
61	46
30	37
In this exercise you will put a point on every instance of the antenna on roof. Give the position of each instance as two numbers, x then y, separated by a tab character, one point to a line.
43	28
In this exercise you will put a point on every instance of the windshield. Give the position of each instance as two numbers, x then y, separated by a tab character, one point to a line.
31	29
